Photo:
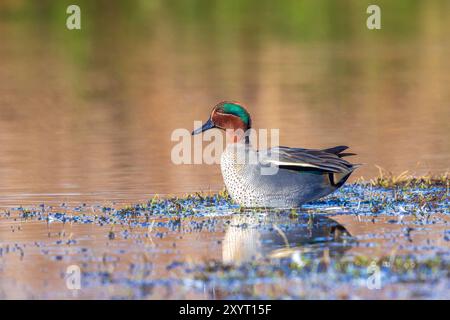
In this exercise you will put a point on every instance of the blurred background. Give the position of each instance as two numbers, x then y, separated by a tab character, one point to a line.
87	115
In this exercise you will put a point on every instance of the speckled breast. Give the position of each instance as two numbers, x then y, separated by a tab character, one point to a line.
237	179
249	188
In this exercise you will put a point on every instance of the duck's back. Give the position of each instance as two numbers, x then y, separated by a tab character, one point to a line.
253	181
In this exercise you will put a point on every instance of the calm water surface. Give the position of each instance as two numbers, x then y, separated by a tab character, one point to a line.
86	117
89	115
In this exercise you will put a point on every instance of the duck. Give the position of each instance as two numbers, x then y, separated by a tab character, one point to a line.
278	177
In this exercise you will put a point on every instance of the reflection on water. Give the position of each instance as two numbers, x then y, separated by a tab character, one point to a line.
86	119
210	249
87	115
278	236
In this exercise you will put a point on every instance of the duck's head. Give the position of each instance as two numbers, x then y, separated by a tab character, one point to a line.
227	115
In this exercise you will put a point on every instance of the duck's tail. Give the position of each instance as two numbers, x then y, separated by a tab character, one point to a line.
338	151
337	179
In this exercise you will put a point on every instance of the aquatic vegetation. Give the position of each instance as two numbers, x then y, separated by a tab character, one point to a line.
387	179
388	239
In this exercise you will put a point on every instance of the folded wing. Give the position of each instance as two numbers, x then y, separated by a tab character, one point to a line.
327	160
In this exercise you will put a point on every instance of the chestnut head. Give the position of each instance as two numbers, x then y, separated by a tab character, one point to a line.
227	115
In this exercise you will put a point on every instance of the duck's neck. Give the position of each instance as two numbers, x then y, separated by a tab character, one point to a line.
238	136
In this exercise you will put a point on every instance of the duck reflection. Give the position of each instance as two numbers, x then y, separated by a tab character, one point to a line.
277	236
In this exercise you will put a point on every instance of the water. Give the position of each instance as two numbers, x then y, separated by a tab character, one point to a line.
206	248
86	118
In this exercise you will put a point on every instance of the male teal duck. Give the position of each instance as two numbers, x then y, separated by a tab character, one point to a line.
301	175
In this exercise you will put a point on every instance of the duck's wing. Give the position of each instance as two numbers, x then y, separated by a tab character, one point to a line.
328	160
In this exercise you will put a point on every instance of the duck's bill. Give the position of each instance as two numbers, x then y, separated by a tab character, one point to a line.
207	125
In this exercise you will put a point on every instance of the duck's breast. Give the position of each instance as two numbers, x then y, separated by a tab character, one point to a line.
249	184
